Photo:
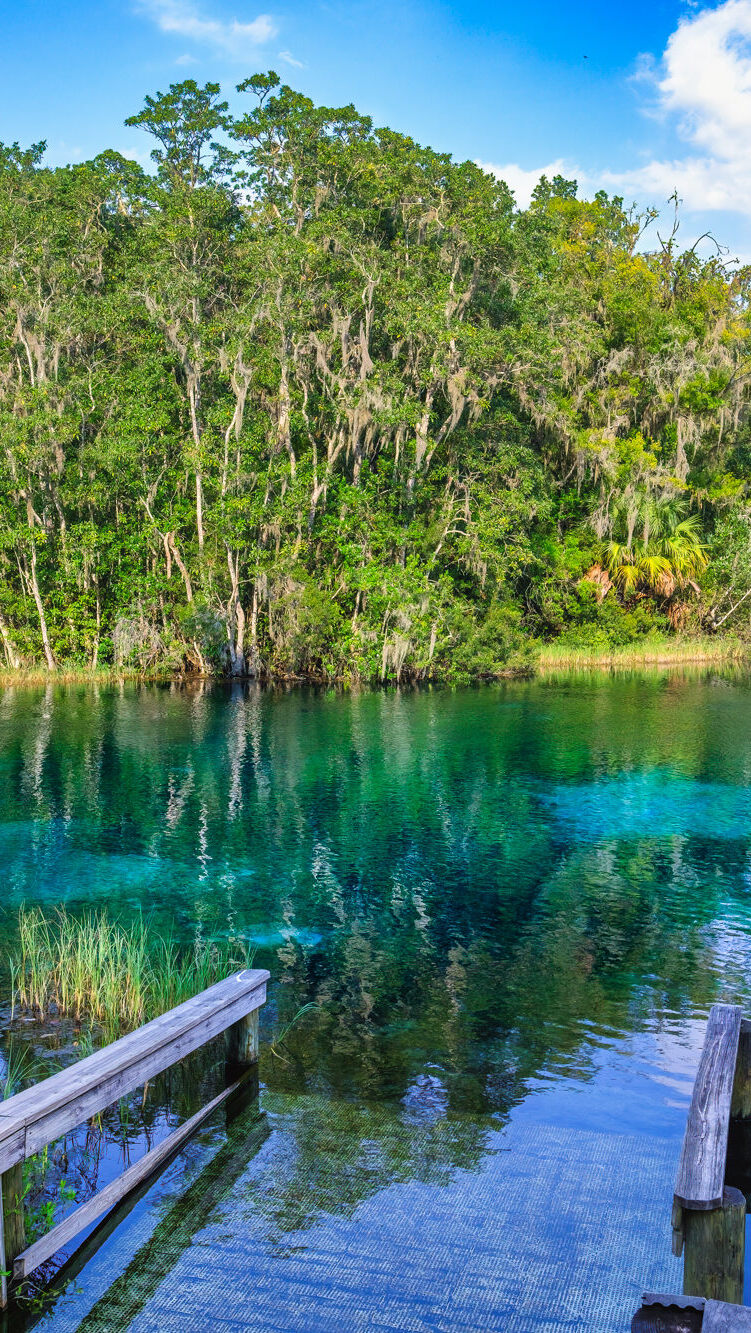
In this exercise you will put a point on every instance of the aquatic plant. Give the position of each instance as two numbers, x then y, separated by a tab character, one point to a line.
283	1033
116	974
17	1069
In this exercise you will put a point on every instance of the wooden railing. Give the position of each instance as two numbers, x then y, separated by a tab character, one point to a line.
709	1212
37	1116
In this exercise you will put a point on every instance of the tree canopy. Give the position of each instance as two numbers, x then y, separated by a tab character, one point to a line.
312	399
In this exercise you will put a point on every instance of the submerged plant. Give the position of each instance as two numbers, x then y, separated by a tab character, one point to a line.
281	1036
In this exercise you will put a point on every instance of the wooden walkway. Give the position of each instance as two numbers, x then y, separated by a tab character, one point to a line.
37	1116
329	1217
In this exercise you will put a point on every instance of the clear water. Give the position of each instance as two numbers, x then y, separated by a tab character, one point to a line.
510	907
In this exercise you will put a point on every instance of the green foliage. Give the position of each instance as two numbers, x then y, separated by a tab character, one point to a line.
119	977
315	400
494	647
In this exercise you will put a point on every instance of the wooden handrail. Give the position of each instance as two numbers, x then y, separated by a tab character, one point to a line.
701	1173
709	1213
35	1117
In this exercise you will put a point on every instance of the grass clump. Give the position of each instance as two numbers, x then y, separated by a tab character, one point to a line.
649	650
95	968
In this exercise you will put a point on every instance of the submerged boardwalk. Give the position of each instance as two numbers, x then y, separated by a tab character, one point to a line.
527	1240
318	1216
46	1111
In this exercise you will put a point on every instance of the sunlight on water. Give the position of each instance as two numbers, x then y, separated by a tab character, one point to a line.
506	907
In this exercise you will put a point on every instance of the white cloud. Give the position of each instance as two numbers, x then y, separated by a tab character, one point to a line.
703	184
702	86
707	77
705	81
523	182
230	37
289	59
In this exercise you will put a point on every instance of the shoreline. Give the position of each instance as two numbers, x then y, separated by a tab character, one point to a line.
550	658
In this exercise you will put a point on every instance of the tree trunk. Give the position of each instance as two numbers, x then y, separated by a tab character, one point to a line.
95	654
237	618
181	566
14	660
199	509
34	582
253	653
194	394
285	412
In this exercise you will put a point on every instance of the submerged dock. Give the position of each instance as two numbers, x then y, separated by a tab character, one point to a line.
34	1118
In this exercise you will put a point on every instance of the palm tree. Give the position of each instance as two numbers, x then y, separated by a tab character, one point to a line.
668	555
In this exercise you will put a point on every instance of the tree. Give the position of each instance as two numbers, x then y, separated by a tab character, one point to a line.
310	397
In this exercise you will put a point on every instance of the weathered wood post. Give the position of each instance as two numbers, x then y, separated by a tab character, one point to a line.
714	1249
708	1214
3	1268
12	1221
242	1063
738	1168
242	1042
740	1107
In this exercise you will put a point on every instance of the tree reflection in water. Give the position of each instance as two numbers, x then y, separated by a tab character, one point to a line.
473	889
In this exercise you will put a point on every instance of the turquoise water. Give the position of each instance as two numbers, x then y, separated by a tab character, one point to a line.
509	909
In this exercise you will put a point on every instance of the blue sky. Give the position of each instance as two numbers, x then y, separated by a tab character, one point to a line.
640	98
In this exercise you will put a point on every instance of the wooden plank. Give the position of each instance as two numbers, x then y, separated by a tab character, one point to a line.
722	1318
12	1148
65	1100
82	1107
89	1212
701	1172
143	1041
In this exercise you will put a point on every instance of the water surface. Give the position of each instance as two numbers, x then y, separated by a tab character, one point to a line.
509	909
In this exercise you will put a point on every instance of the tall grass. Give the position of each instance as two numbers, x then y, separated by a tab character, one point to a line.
105	675
652	650
93	967
18	1066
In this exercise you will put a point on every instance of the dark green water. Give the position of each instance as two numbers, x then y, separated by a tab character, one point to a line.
511	907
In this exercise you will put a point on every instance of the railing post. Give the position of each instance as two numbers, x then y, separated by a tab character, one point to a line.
4	1270
714	1249
12	1220
242	1059
242	1042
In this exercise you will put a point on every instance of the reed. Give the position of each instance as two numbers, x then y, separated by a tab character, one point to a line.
650	651
18	1065
95	968
35	676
